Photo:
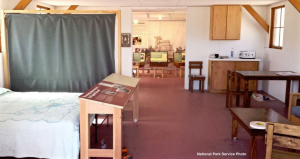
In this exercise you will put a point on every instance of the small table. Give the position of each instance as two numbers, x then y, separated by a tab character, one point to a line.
244	116
137	68
263	75
109	96
158	68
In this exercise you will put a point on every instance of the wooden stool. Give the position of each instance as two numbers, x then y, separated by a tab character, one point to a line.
180	70
158	68
137	68
192	78
230	90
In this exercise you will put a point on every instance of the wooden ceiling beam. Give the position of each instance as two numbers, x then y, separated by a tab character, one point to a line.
72	7
257	17
22	4
296	4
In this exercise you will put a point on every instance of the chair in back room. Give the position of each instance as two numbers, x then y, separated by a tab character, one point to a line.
193	77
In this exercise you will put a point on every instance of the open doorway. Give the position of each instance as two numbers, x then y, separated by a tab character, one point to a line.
158	42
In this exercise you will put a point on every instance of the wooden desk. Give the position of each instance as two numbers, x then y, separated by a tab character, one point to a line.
263	75
109	96
244	116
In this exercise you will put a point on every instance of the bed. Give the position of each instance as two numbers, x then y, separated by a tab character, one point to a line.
41	125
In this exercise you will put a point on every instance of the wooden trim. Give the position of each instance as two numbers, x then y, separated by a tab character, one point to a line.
4	42
272	28
4	51
296	4
119	41
72	7
257	17
100	152
63	11
22	4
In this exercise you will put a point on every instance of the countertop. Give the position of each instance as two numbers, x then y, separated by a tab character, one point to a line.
234	59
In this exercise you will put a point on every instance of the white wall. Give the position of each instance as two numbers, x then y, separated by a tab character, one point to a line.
126	52
199	47
286	59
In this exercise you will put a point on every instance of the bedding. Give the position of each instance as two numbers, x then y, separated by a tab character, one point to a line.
42	125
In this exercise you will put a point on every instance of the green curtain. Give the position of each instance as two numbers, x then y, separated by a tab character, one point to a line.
60	53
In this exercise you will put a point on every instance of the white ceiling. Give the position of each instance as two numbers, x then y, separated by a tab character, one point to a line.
154	3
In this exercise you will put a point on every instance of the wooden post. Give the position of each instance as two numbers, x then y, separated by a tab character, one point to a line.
257	17
117	133
119	41
4	51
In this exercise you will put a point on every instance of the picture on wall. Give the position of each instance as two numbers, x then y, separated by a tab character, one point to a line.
125	39
137	40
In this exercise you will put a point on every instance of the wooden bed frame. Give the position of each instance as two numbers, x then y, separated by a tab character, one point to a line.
293	102
4	36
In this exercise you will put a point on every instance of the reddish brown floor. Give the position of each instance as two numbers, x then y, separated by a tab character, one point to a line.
176	124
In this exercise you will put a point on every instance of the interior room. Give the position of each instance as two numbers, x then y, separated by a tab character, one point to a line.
172	79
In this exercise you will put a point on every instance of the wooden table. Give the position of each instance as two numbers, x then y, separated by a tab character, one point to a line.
263	75
109	96
244	116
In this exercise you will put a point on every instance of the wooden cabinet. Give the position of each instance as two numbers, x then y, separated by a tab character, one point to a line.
217	74
225	22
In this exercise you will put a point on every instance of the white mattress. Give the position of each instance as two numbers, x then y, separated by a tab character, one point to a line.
42	125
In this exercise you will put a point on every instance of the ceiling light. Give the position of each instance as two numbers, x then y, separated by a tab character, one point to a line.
159	17
135	21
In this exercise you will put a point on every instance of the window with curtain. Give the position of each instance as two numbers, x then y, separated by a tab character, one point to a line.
277	27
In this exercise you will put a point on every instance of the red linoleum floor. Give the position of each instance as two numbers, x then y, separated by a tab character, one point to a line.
176	124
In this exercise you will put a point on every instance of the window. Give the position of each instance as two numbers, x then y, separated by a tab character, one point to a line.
38	7
277	27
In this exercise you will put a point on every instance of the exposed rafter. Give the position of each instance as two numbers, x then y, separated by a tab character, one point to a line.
257	17
22	4
72	7
296	4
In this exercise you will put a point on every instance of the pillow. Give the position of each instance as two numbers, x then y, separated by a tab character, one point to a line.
4	90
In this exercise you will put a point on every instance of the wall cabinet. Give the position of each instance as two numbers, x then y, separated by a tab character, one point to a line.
225	22
217	74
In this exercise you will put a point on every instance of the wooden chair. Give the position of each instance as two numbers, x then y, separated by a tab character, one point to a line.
231	90
282	135
294	101
192	78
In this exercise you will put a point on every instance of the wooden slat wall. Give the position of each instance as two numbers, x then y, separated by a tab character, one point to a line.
257	17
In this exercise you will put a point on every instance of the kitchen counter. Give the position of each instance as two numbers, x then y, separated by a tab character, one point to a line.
234	59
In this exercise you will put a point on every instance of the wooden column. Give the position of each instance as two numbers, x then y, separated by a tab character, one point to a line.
4	51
